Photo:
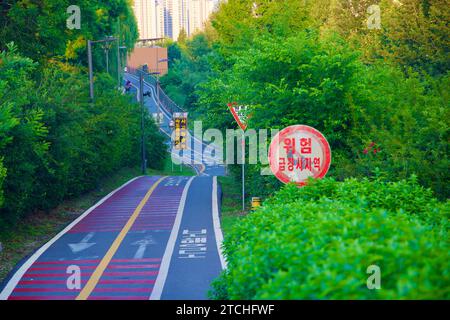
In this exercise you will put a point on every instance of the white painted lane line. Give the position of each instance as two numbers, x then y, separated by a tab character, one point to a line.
12	283
168	117
216	223
165	111
165	263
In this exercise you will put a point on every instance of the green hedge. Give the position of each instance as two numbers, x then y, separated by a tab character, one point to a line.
317	243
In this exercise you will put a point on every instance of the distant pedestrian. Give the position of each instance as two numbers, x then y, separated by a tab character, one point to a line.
128	86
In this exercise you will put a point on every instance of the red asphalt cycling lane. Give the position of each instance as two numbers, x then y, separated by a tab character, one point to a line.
133	269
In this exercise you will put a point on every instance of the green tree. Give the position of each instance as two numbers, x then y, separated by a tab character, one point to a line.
54	143
182	37
39	28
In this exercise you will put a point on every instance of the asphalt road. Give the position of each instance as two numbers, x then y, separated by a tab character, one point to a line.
196	147
153	238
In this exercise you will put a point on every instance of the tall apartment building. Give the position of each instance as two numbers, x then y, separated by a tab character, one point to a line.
171	18
184	15
150	18
166	18
199	12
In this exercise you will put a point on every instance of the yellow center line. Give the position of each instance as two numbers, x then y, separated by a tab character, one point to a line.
95	277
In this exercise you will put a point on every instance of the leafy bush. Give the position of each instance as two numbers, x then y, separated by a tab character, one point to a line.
298	63
43	33
407	196
54	143
321	82
318	241
2	178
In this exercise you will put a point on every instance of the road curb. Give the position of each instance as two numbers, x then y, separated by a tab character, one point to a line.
216	222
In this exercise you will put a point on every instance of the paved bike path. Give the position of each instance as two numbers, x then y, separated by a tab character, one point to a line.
196	147
121	246
195	261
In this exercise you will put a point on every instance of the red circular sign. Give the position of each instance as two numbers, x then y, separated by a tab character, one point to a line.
299	152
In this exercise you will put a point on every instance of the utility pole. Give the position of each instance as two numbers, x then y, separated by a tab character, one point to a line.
91	78
107	59
157	81
125	62
141	100
157	94
89	52
118	65
243	171
158	73
118	54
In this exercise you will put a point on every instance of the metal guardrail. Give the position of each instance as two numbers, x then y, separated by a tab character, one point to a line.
164	99
168	103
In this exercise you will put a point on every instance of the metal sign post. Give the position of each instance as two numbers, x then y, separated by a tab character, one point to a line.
181	131
240	114
172	127
180	119
243	170
141	100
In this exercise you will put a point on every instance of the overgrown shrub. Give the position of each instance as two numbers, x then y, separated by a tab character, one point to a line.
299	63
2	177
54	143
318	241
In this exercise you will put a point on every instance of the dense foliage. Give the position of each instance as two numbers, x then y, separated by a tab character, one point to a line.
317	63
380	96
318	241
54	142
38	28
189	65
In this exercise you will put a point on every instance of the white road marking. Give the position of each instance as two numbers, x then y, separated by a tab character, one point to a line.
165	111
165	263
216	223
12	283
193	244
168	116
142	246
83	244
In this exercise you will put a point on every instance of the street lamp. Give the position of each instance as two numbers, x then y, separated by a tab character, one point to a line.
106	47
89	52
124	48
141	100
119	62
158	73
